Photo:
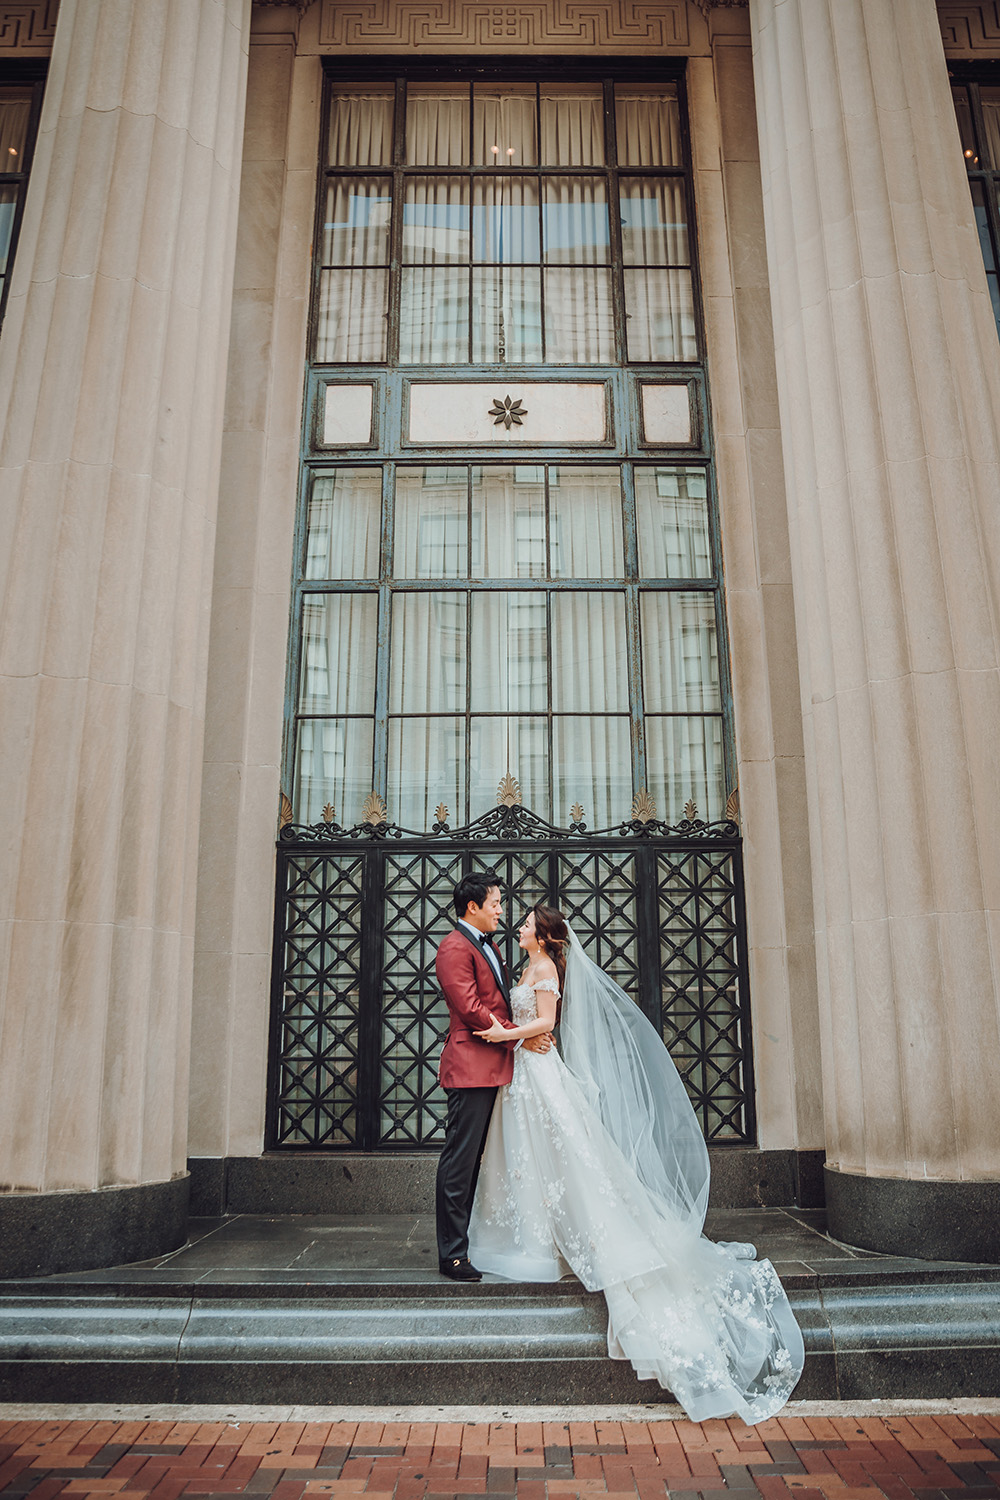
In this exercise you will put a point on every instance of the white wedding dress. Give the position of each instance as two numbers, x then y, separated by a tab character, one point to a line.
555	1193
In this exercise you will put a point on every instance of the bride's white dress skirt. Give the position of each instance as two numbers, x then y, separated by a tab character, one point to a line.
556	1194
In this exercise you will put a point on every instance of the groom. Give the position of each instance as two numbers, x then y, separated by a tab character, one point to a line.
475	983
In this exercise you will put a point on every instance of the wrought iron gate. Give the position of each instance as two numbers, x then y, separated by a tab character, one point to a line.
358	1019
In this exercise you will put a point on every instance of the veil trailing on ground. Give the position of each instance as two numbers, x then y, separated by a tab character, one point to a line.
613	1050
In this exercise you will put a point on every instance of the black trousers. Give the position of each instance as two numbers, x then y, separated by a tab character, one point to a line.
469	1113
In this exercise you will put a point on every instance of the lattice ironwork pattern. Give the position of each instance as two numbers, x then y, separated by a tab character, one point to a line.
358	1018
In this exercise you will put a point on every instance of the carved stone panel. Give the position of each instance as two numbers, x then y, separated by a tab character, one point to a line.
27	27
508	411
442	26
970	28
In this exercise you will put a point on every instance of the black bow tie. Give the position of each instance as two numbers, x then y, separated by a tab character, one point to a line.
485	939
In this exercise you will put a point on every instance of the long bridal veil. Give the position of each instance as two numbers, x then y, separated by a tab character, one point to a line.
709	1322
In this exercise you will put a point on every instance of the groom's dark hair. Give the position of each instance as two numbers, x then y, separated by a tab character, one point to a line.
475	888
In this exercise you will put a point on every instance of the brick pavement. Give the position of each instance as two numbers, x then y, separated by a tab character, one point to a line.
789	1458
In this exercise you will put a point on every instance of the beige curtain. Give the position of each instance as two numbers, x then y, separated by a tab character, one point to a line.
361	128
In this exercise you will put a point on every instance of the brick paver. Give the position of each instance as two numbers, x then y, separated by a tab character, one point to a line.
944	1457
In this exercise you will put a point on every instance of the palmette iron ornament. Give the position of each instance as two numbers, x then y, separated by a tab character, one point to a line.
510	413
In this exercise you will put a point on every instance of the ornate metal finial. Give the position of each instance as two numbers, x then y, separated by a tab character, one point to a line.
284	812
507	411
643	808
329	813
508	792
691	810
576	812
441	813
374	811
733	806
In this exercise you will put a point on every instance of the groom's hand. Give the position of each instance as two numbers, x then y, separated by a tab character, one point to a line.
539	1043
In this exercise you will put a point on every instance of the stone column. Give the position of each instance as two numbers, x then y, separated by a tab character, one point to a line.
889	392
112	371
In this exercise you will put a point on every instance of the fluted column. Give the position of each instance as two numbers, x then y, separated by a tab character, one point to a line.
112	370
889	391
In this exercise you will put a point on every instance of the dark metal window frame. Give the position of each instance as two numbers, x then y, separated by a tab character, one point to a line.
970	76
24	74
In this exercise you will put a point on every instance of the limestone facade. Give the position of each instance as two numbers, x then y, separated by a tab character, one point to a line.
151	386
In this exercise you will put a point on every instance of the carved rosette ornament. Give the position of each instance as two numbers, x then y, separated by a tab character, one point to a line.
510	413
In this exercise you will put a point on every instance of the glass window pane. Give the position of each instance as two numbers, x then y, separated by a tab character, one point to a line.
426	768
659	316
508	522
589	659
337	669
431	528
579	319
434	316
575	221
342	524
680	662
505	220
591	764
654	222
671	510
585	522
572	125
436	220
989	98
351	321
429	651
684	763
437	125
520	746
509	657
333	765
361	126
8	205
963	113
983	225
504	131
15	110
506	315
648	126
356	230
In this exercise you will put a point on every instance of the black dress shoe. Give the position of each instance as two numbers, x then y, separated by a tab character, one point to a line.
459	1270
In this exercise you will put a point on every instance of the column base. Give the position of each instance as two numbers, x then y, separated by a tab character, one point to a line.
915	1216
44	1233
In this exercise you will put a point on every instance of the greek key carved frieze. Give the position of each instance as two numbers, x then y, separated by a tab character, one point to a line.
27	27
453	25
970	28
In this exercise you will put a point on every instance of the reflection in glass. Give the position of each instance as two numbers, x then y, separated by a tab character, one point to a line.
351	321
575	221
671	506
684	761
333	764
591	765
508	522
504	128
508	657
506	314
434	316
437	125
680	662
499	745
572	125
585	522
654	221
8	206
426	767
431	527
342	524
989	98
361	127
505	219
337	664
659	316
648	126
356	229
436	220
579	319
589	657
963	114
427	673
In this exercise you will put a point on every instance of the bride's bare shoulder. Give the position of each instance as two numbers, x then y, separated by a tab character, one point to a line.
545	969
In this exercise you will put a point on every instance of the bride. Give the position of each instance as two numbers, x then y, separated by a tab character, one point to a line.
594	1163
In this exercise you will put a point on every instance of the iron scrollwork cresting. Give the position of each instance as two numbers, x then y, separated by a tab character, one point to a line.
357	1019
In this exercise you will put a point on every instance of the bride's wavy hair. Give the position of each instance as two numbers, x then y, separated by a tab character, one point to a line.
553	934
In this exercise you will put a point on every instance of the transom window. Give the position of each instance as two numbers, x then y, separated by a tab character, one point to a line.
525	223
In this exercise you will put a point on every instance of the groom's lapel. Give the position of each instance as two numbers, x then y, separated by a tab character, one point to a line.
503	967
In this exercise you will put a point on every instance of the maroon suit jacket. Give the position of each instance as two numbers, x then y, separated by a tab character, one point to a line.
473	994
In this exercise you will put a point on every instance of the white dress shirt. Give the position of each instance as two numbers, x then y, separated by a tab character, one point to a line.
488	953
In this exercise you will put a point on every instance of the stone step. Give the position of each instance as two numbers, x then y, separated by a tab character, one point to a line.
438	1343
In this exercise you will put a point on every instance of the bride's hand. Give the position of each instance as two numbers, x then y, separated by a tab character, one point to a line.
496	1033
